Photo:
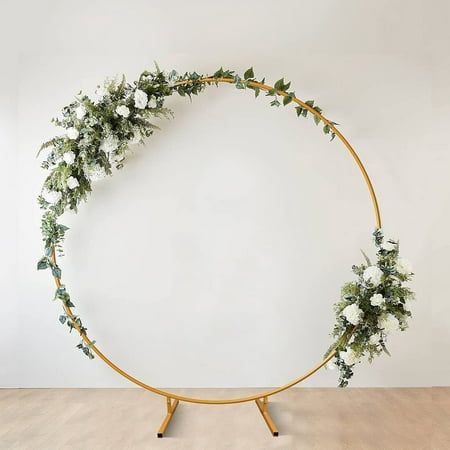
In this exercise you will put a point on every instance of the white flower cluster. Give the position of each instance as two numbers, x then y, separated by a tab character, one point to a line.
373	275
140	99
376	305
349	357
353	313
134	101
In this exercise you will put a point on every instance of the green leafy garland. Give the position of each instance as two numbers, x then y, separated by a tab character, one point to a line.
99	133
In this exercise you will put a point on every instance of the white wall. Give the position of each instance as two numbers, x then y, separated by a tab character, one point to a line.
214	257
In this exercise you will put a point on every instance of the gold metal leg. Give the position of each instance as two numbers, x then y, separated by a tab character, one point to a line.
171	407
263	406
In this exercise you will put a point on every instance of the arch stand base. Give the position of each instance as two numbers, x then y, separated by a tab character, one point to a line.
263	406
171	407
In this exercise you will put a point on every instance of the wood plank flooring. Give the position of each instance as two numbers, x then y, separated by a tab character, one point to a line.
127	419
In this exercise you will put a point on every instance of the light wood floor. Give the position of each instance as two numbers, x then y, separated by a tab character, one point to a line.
329	419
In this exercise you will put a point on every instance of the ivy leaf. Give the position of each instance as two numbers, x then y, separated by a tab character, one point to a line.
43	263
326	129
299	110
63	319
56	271
249	74
317	119
310	103
275	103
287	99
68	303
218	73
279	85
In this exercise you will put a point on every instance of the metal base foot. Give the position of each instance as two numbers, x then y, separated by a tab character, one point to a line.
171	407
263	406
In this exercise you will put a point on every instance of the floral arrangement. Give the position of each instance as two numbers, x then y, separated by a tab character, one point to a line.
371	307
100	132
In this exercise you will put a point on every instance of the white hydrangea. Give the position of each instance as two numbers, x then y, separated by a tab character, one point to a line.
72	183
372	275
388	323
51	197
388	246
348	356
403	266
109	144
140	99
72	133
152	103
376	300
95	173
123	111
69	157
80	112
352	313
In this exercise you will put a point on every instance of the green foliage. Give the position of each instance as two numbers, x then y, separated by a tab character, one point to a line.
249	74
368	337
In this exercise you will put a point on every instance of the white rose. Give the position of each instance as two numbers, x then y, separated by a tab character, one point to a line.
352	313
72	133
95	173
388	246
152	103
373	275
403	266
140	99
51	197
348	356
72	183
123	111
80	112
69	157
376	300
109	144
388	323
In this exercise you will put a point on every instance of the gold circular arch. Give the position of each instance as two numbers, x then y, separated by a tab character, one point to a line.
265	394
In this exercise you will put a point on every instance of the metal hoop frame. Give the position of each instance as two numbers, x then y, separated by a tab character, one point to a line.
265	394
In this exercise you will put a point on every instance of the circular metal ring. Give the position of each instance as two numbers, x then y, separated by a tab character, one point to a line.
95	349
